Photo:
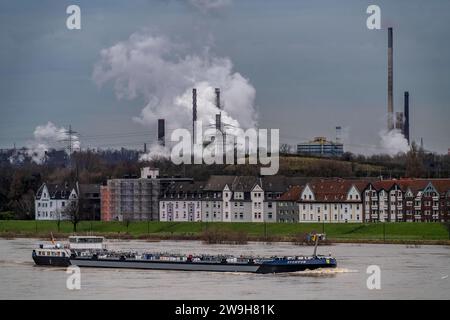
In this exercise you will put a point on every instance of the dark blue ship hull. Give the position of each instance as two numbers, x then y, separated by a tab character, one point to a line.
284	265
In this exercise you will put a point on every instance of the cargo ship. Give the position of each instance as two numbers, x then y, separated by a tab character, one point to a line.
91	252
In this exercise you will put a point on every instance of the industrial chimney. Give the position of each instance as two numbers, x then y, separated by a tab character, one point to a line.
161	132
194	112
218	98
390	80
406	112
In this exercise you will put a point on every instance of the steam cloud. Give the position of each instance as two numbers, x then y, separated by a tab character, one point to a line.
393	142
164	72
45	137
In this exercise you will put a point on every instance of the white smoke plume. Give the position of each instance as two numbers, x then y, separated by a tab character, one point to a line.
45	137
163	73
210	5
155	152
393	142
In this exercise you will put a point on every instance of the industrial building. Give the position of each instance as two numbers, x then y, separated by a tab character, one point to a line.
320	146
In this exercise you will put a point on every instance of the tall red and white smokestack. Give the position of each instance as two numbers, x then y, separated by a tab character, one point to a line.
390	80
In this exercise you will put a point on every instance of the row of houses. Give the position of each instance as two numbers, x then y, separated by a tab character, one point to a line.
257	199
283	199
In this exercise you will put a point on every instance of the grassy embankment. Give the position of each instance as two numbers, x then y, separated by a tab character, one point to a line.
388	232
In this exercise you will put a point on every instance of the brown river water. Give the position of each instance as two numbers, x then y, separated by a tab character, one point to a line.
407	272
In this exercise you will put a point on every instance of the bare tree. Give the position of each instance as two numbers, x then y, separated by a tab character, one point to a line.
24	206
414	162
72	211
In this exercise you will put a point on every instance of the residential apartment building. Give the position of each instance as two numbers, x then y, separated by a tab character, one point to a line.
287	205
181	201
225	198
410	200
131	198
331	200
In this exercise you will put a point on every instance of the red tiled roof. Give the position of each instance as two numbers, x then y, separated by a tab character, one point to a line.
331	190
415	185
384	184
293	194
442	185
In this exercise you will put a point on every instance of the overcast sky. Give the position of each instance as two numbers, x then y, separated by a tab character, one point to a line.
314	65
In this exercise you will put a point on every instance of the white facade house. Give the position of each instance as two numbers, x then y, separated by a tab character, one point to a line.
53	201
257	198
332	200
181	201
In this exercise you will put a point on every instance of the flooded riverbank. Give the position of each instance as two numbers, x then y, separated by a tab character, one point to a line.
407	272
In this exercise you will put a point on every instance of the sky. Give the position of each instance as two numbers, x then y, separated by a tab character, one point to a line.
303	67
